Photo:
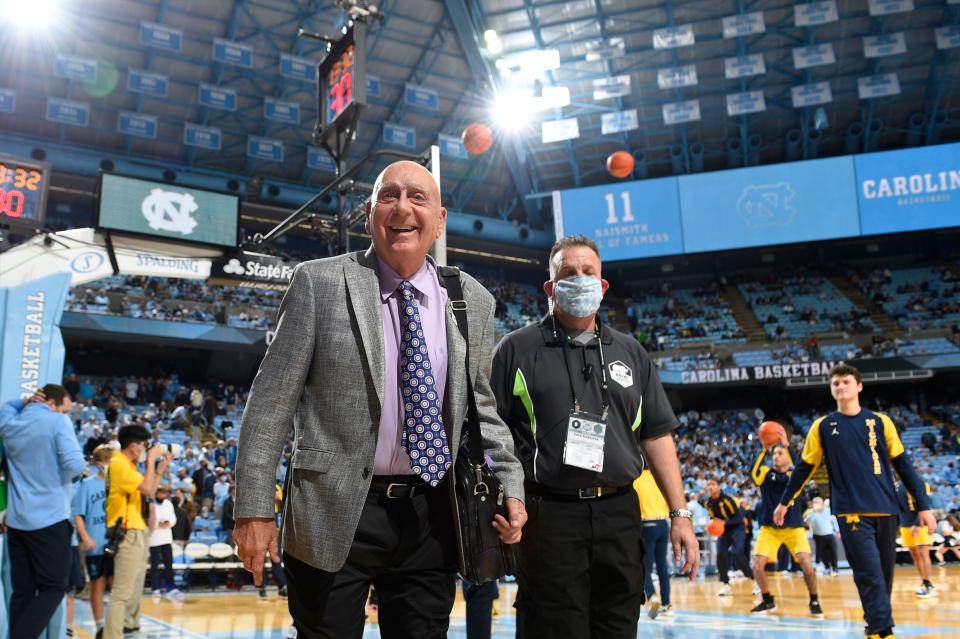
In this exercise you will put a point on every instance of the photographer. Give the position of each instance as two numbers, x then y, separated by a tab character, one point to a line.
127	534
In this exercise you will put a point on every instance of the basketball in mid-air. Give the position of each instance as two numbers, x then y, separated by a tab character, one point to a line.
771	433
716	527
620	164
477	138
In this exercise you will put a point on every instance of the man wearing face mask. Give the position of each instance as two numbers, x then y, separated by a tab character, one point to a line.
587	413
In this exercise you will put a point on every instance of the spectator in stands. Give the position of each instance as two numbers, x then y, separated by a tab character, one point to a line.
72	386
200	477
227	521
221	491
210	408
183	482
42	456
184	526
163	517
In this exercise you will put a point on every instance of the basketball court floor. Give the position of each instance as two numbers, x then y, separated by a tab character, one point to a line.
698	612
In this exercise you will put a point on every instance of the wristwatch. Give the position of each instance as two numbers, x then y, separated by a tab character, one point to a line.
681	512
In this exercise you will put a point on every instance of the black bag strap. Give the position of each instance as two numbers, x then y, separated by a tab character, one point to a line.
450	279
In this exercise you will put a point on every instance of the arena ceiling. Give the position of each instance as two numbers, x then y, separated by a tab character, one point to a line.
439	45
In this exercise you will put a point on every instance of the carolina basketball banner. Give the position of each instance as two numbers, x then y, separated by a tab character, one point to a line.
32	350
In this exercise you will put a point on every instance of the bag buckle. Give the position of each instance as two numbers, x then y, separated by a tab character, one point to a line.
589	493
459	305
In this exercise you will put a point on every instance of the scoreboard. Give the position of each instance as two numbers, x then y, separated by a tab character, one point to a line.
23	192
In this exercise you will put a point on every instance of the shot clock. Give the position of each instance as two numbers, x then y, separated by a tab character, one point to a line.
342	90
23	192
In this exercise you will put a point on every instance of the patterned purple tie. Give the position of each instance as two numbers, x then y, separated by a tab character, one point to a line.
424	439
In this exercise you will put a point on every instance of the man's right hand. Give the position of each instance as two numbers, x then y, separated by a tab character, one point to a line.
779	514
154	452
255	537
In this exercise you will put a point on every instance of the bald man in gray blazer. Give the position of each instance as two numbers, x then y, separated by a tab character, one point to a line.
367	502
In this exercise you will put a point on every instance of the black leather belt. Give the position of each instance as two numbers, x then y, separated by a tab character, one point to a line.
397	486
575	494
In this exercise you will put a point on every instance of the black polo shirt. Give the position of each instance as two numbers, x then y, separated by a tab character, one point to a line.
531	378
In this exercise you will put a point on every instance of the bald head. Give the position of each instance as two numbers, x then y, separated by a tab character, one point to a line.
401	167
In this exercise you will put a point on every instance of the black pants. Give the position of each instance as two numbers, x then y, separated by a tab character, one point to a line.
731	546
161	555
39	570
479	601
871	547
405	549
581	568
826	550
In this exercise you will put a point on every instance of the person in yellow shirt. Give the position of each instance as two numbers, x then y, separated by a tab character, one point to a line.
125	488
656	537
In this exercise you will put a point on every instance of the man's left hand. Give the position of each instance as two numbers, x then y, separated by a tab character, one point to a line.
927	519
684	539
509	531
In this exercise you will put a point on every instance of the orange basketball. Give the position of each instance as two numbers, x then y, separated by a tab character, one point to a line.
716	527
771	433
620	164
477	138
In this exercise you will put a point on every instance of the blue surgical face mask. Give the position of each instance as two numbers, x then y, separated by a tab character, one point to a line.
579	296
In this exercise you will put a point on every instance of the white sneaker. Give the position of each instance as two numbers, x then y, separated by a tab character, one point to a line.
156	595
666	611
725	591
756	589
291	632
175	595
653	606
925	592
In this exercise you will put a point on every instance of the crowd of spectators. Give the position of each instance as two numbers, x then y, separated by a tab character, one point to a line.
178	300
919	297
665	316
516	304
783	303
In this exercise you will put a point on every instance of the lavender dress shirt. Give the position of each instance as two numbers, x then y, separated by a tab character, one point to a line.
391	459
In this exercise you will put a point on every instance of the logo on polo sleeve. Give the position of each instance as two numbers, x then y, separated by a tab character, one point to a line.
621	373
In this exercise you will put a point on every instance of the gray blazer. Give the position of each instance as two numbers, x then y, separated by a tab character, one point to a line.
323	377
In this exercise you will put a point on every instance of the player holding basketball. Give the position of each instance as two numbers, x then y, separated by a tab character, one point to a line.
862	449
731	545
792	534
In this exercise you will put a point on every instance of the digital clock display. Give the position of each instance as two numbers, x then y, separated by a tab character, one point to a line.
343	84
23	192
340	84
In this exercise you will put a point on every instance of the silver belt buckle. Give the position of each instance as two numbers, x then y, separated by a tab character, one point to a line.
585	493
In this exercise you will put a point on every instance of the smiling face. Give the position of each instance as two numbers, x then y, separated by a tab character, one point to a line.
845	388
404	216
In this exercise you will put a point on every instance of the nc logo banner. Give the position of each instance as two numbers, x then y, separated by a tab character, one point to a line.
765	205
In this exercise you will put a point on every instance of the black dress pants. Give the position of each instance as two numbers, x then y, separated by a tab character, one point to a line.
581	568
826	550
405	549
39	570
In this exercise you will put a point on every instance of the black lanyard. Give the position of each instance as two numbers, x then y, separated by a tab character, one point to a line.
604	387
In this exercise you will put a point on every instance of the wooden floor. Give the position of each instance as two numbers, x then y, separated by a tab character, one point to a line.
698	610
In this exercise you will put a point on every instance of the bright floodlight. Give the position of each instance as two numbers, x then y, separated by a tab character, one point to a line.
512	111
36	14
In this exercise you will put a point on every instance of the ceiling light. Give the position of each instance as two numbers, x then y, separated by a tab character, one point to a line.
38	14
